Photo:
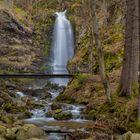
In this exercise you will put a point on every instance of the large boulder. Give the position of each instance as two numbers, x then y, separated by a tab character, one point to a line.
29	131
7	118
40	93
51	113
24	115
11	133
24	132
59	114
55	106
63	116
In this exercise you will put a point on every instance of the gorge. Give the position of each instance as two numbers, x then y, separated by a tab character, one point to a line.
67	37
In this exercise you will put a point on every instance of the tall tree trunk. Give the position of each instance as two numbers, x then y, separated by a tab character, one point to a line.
100	55
129	75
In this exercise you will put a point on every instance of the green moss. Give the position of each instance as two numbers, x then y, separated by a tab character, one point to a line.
63	116
82	100
91	115
13	108
135	89
65	98
7	107
79	80
9	119
107	108
113	61
19	9
135	126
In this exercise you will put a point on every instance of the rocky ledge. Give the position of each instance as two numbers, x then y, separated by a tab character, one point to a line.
17	48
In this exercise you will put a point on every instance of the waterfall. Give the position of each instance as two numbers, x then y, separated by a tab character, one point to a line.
62	47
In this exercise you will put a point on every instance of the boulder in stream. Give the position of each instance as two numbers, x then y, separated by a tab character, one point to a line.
63	116
55	106
24	132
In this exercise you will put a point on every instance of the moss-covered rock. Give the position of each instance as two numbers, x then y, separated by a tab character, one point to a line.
11	133
29	131
55	106
63	116
91	115
2	130
24	132
7	118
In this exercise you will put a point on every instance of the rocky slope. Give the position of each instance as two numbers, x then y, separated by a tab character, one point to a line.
18	50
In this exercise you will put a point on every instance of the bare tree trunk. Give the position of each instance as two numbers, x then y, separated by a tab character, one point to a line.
100	55
129	76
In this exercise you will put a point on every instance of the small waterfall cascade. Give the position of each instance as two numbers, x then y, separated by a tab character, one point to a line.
63	47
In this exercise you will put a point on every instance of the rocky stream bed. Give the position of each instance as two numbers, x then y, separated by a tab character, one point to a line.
57	119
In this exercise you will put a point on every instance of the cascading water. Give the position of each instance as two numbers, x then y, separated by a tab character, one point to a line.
63	47
62	51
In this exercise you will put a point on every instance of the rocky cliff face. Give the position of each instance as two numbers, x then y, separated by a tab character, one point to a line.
17	49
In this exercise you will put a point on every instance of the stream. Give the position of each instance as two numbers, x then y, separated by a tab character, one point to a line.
62	51
55	129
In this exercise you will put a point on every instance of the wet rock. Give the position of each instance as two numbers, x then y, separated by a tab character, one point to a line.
57	111
35	104
40	93
18	123
29	131
24	132
55	106
49	114
11	132
24	115
14	107
63	116
7	118
53	112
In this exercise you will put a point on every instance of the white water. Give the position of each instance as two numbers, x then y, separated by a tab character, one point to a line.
20	94
62	51
63	47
